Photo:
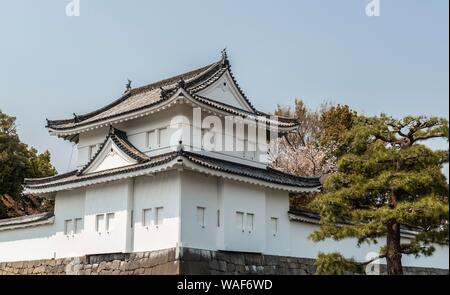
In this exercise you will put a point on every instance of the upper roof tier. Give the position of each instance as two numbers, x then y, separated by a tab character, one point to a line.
144	98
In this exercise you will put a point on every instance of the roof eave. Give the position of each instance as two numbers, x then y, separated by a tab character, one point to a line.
179	95
180	161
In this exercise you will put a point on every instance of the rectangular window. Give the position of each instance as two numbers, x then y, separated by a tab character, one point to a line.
146	217
240	220
109	221
274	225
204	131
240	146
163	137
159	215
100	222
68	227
201	216
249	222
78	224
152	141
131	218
218	218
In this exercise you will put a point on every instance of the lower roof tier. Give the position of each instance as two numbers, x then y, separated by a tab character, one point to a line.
181	159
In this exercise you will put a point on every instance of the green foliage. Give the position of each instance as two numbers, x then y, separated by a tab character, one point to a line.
385	177
333	124
2	210
17	160
336	264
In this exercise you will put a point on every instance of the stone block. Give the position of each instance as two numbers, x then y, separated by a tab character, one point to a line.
39	269
222	266
195	268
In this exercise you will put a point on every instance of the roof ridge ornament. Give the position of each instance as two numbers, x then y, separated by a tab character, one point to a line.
164	92
111	130
181	83
128	86
180	147
225	61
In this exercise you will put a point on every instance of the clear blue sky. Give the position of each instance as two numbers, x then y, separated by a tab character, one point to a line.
52	65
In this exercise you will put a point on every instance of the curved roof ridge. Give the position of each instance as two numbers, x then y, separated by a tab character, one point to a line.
165	82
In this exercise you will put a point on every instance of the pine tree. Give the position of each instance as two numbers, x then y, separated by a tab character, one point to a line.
18	161
386	180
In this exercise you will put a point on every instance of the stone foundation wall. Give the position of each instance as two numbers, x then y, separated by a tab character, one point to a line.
172	262
197	261
162	262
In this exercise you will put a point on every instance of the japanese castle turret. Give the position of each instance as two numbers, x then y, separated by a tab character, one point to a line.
181	163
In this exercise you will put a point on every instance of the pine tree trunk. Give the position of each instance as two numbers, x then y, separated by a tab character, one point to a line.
393	250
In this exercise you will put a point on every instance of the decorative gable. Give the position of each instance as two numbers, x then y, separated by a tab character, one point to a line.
110	157
226	91
115	152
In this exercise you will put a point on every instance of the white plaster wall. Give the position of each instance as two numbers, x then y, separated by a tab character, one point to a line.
69	205
26	244
87	139
137	129
198	190
277	204
223	90
137	134
106	198
160	190
238	196
179	193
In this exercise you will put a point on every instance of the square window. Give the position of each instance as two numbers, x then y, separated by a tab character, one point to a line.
250	219
68	227
152	141
163	137
109	221
159	215
274	225
78	224
240	220
146	217
100	223
201	216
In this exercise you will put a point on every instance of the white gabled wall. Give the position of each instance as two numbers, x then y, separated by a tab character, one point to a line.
225	91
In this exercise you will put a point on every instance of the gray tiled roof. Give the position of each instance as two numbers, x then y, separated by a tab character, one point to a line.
75	176
25	219
134	99
268	174
152	94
